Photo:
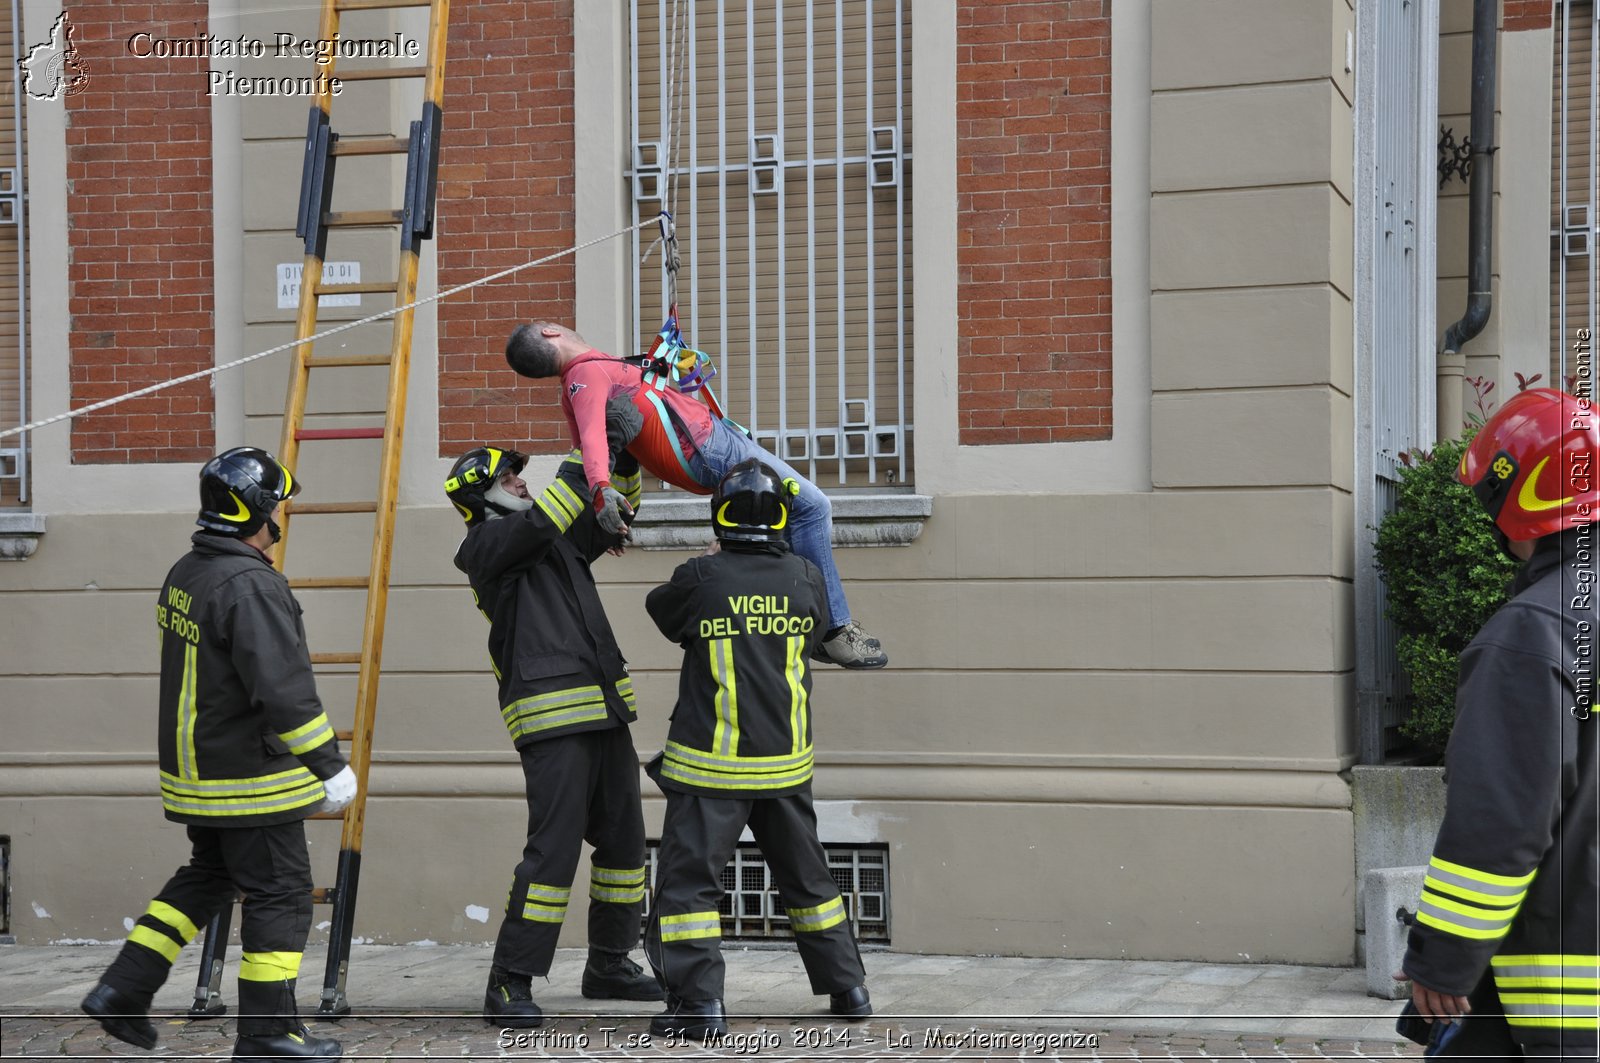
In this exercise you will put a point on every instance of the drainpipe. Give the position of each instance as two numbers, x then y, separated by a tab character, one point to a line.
1452	366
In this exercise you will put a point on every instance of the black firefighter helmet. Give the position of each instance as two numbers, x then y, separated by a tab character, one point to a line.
239	489
751	504
473	485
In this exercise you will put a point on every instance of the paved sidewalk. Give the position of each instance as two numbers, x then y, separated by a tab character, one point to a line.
416	1002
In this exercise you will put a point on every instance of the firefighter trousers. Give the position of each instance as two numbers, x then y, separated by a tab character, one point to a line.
581	787
684	937
271	868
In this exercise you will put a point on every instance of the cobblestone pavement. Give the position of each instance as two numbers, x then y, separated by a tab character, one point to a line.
930	1007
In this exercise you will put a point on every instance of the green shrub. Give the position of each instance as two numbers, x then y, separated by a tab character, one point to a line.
1445	577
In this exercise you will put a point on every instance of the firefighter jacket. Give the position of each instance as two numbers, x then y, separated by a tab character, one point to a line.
748	620
1512	883
244	741
550	644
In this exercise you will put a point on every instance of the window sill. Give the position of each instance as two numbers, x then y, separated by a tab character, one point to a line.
20	533
676	522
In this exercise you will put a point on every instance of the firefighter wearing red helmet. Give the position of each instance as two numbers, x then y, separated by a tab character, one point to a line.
1502	954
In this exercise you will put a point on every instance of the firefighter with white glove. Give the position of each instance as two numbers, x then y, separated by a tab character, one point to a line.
339	791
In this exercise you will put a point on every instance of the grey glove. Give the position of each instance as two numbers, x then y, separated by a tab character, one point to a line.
613	511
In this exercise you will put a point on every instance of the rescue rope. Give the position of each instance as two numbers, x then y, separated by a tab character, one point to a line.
347	326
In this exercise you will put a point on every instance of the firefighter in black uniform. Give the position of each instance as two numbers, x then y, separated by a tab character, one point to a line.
748	617
246	755
1506	927
567	700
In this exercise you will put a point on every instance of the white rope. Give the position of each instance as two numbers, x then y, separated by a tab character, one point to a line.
347	326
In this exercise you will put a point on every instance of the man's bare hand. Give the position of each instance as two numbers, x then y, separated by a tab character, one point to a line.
1434	1005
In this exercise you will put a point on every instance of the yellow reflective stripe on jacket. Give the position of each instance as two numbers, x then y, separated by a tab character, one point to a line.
269	966
156	942
1462	919
632	488
695	767
811	920
625	692
561	504
169	915
278	792
1465	883
308	736
1573	1011
691	925
725	736
558	708
616	886
795	670
187	713
1546	971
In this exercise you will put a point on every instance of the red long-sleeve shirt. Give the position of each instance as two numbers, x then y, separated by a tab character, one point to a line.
594	377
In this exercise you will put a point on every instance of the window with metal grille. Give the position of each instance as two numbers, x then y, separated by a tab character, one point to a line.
1575	193
783	151
752	909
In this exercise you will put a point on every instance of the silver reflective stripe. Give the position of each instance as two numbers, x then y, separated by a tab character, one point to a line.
526	723
203	807
1447	915
268	784
1566	1010
1547	970
1488	889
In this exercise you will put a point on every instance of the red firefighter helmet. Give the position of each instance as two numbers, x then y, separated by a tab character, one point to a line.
1533	465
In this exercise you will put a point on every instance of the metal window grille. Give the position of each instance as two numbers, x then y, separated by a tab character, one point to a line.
1574	229
1397	106
788	171
753	910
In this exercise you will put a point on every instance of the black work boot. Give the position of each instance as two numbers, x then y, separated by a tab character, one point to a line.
852	1003
296	1044
690	1020
120	1016
612	976
508	1001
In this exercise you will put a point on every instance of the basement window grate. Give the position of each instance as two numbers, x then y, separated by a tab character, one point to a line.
752	910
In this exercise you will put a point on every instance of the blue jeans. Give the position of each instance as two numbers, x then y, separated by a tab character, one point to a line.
810	513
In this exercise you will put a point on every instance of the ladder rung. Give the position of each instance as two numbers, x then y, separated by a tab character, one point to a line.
339	433
356	219
301	508
377	5
325	361
325	815
336	658
325	894
363	288
377	146
380	73
344	736
329	583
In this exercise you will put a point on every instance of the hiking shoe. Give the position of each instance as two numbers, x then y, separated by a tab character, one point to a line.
613	976
508	1001
120	1016
851	647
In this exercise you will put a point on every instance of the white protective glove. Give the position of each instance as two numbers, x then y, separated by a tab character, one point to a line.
612	510
339	791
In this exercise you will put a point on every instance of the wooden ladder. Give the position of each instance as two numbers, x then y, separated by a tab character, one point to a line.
414	219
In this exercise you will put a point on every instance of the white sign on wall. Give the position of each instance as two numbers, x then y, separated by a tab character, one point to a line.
332	273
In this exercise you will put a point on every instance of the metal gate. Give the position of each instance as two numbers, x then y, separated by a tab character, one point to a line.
1574	197
1397	105
785	155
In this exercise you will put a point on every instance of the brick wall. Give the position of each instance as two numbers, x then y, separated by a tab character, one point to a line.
139	233
505	197
1033	173
1528	14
